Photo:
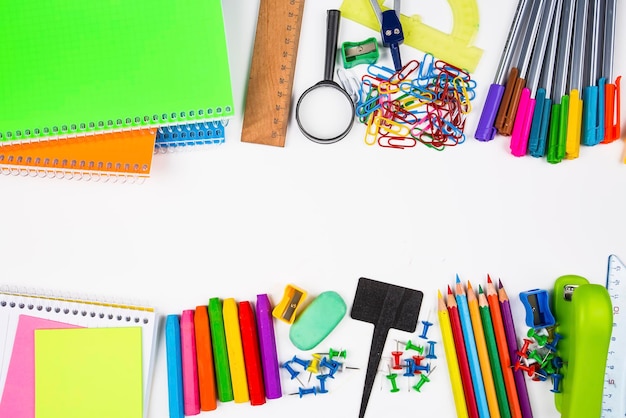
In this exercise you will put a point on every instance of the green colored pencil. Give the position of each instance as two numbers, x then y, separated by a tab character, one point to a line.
492	350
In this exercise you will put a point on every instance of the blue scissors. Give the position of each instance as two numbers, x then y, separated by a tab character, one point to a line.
390	30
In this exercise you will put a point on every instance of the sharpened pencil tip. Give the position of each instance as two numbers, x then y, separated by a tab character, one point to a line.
457	279
469	285
480	289
449	290
499	284
489	279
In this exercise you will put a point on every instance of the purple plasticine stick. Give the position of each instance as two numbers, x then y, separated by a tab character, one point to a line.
267	344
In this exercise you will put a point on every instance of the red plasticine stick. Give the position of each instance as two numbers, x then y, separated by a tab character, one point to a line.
251	353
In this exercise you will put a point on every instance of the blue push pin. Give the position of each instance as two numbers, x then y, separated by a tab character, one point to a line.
421	368
557	362
425	329
410	367
294	374
332	366
541	375
555	340
301	362
322	378
431	350
556	380
303	391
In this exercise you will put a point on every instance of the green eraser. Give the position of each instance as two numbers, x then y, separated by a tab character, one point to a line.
317	320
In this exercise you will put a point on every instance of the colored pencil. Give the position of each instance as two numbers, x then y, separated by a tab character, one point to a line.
472	352
483	356
234	346
204	351
451	358
511	338
492	350
503	350
459	344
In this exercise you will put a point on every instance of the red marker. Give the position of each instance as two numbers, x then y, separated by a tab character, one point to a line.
251	354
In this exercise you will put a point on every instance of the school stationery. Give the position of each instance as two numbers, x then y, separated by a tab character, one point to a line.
615	375
83	67
318	320
190	364
613	91
584	317
206	370
235	351
190	134
93	372
176	400
251	353
268	99
451	358
267	346
390	30
220	353
15	306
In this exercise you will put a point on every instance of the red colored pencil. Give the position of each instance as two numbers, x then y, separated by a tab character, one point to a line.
459	345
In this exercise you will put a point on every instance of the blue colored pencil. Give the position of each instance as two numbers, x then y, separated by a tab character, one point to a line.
472	352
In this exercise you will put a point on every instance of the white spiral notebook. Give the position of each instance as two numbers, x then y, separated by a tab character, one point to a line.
22	316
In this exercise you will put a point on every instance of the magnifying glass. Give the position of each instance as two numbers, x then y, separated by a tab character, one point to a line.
325	111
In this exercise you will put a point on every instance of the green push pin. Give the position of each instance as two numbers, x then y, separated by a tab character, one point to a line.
337	353
423	380
540	339
410	346
394	385
534	354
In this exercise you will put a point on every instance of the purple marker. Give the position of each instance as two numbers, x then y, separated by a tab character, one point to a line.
267	345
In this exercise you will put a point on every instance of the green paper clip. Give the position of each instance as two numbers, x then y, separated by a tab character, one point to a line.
584	317
355	53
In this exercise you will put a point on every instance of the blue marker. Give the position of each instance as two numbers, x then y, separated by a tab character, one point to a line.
174	367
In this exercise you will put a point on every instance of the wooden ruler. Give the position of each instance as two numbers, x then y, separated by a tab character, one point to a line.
268	100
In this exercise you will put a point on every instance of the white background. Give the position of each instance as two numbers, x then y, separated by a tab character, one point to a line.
240	219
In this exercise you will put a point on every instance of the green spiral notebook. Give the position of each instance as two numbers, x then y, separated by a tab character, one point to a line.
71	67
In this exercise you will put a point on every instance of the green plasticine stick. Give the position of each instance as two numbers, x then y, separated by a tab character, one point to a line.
220	353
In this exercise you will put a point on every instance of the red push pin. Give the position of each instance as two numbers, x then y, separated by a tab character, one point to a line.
523	352
396	360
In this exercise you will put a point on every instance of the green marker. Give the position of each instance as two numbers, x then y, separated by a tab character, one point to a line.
220	353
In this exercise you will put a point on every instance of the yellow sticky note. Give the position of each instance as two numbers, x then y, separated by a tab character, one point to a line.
88	372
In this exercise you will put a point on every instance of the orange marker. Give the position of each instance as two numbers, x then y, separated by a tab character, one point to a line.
206	372
503	350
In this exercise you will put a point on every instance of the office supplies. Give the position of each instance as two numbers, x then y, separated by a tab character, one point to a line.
537	305
235	351
89	67
511	339
386	306
115	155
268	98
390	30
174	367
557	138
470	347
186	135
613	91
614	392
190	364
325	111
206	370
455	47
16	303
92	372
485	131
503	349
251	354
451	358
363	52
267	346
287	308
461	353
524	117
483	355
492	350
584	317
318	320
575	112
538	137
220	352
517	76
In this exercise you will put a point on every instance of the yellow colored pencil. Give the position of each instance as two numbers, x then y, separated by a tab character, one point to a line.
235	351
451	359
483	355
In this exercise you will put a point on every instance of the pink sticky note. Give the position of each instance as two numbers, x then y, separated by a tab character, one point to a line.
18	398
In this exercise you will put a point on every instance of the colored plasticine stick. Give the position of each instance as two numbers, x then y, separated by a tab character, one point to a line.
190	364
267	345
461	354
486	130
206	371
235	351
492	350
174	367
451	358
220	353
250	341
472	352
511	339
483	356
503	350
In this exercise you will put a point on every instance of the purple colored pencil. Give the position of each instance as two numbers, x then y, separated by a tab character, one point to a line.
267	345
511	340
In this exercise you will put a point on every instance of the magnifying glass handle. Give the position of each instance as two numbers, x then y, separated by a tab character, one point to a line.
332	34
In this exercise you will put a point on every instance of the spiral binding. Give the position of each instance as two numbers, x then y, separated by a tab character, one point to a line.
12	170
175	137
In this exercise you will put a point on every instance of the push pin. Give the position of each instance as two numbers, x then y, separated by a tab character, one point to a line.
425	368
555	340
306	391
394	385
540	339
332	366
396	360
314	364
523	352
519	366
410	346
425	329
418	360
431	350
337	353
322	378
294	374
557	362
410	367
556	380
301	362
423	380
540	375
534	355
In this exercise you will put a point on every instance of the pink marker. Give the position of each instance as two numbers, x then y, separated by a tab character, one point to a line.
191	394
523	120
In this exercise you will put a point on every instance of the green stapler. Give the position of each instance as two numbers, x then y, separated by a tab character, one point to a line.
584	317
